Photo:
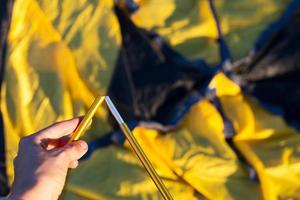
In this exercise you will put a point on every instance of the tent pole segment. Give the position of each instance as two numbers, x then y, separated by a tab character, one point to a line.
139	151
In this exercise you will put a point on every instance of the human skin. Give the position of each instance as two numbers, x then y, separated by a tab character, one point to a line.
43	161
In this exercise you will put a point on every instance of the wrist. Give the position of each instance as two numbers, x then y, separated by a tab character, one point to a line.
38	191
31	195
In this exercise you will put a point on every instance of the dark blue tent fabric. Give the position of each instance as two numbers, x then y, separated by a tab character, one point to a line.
272	73
156	82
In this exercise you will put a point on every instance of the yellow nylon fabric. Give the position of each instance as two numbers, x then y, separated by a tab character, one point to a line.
50	76
189	26
116	173
197	153
193	157
43	81
246	20
267	142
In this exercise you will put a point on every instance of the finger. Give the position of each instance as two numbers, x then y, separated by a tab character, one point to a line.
58	129
73	164
49	144
73	151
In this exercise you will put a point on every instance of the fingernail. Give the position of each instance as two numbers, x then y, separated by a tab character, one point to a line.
82	145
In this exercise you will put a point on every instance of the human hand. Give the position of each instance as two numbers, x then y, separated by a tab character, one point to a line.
43	161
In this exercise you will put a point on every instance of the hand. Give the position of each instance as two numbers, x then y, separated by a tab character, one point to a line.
43	160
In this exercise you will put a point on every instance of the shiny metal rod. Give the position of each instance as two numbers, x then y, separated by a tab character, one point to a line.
86	119
139	151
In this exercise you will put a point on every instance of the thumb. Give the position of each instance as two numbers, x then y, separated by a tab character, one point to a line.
74	151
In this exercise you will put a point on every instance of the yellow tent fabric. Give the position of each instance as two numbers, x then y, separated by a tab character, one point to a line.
61	55
189	26
48	78
193	157
115	173
198	153
267	142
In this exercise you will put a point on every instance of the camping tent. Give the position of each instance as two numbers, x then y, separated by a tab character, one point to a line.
209	88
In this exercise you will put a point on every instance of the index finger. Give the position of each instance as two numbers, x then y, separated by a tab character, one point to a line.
57	130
